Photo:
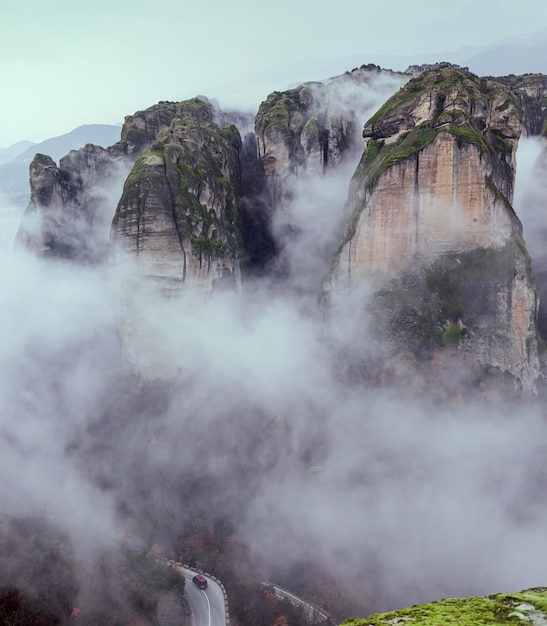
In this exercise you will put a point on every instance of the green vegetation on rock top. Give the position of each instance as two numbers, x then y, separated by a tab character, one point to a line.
158	116
276	111
466	91
494	610
193	168
442	80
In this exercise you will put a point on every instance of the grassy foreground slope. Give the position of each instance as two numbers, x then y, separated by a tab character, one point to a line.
524	607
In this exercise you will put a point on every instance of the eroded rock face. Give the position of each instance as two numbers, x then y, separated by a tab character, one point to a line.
141	129
69	213
432	231
309	129
72	204
532	91
178	215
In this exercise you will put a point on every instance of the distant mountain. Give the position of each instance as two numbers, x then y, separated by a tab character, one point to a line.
14	186
510	58
513	55
56	147
11	152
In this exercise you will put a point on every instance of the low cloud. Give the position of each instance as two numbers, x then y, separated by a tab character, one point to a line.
246	407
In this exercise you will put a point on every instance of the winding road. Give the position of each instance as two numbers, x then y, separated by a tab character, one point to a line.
207	604
314	615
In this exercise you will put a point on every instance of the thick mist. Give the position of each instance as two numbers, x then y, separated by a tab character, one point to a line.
530	202
309	226
127	415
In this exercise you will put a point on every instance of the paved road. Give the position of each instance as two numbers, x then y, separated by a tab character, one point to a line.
208	607
315	615
207	604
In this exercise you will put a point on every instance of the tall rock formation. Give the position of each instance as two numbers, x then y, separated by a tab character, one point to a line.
72	204
532	91
70	208
309	129
178	215
431	228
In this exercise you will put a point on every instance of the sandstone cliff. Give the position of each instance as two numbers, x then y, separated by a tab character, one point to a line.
178	214
532	91
310	128
524	607
72	204
431	227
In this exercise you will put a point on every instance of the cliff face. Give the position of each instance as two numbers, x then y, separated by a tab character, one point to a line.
178	214
431	226
532	91
307	130
67	217
72	204
430	221
141	129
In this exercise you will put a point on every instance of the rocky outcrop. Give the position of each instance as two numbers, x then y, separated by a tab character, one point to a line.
523	607
414	70
309	129
72	204
431	228
178	215
532	90
69	213
141	129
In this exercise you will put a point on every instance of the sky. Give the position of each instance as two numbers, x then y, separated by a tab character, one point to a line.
66	63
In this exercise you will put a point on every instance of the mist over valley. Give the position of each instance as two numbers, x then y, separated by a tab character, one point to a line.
263	347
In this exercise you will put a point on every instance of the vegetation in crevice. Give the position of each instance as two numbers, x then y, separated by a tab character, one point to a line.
196	172
443	303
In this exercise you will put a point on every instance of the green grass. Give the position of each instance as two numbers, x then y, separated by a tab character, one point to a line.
494	610
440	80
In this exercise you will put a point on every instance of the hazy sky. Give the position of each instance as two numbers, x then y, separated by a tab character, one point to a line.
65	63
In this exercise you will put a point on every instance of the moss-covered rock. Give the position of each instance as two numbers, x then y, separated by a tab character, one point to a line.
311	128
532	90
524	607
140	130
66	219
179	211
432	228
474	110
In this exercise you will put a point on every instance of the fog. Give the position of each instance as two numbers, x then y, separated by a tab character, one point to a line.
125	415
530	202
9	222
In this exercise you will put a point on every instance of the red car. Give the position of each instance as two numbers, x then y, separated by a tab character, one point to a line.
200	581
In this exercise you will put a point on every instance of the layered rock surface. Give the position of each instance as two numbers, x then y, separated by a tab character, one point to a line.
69	213
178	214
309	129
532	91
72	204
431	227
